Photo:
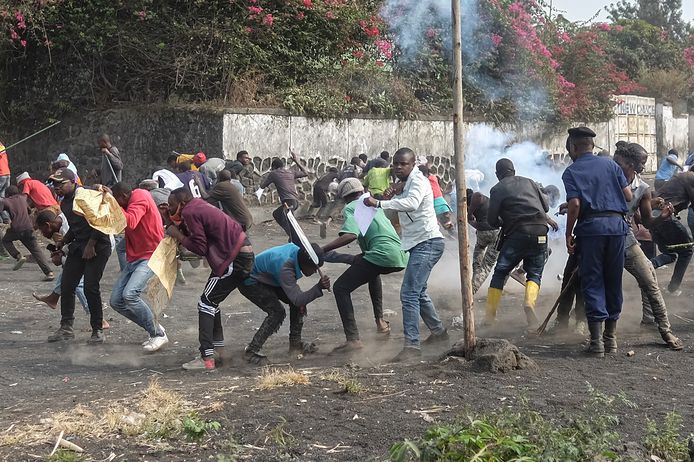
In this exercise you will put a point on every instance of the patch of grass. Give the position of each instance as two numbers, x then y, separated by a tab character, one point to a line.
156	414
348	383
664	439
63	455
587	434
233	452
271	378
279	436
195	428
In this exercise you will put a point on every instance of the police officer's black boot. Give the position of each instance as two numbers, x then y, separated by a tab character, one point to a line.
596	347
609	337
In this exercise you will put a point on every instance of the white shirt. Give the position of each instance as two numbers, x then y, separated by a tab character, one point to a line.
415	207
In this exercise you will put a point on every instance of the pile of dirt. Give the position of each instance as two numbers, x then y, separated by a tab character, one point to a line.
492	355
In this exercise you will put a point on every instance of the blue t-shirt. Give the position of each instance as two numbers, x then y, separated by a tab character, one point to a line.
690	160
272	260
598	183
666	169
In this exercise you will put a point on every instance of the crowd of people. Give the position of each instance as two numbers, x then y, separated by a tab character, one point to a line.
198	202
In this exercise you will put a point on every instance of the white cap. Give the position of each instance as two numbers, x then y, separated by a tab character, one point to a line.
23	176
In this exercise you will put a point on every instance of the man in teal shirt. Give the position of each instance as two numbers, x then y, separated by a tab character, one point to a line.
274	280
381	254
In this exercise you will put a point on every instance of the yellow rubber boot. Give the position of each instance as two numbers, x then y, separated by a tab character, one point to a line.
493	301
532	290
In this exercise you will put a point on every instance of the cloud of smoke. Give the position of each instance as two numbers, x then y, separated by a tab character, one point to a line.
412	22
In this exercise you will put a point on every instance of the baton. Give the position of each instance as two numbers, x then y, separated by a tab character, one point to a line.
30	136
569	284
686	245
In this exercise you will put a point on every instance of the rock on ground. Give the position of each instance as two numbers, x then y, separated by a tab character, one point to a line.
493	355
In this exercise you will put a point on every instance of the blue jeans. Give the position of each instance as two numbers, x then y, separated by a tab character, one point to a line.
413	293
126	297
79	291
516	248
120	252
690	220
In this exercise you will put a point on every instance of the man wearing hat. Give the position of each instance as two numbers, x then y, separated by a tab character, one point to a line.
40	195
517	205
597	193
380	254
87	253
274	279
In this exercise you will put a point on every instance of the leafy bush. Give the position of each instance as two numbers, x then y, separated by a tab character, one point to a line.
588	434
195	428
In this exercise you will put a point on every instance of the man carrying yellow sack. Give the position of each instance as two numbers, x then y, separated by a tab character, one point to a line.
519	208
87	251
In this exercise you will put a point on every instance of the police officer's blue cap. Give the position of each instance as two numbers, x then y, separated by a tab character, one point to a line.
581	132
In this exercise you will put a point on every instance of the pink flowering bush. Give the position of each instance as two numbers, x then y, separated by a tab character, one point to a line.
323	57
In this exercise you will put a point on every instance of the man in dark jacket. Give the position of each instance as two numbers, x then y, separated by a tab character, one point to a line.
87	255
517	205
225	196
207	231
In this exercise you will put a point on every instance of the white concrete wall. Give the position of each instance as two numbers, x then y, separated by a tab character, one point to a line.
326	142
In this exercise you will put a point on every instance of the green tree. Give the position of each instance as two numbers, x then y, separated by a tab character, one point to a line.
664	14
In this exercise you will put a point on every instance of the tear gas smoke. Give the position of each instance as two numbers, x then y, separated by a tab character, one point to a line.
413	22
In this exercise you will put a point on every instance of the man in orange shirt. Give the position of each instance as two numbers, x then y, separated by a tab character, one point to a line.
4	178
40	195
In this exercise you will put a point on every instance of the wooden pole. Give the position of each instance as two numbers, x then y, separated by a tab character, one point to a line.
458	141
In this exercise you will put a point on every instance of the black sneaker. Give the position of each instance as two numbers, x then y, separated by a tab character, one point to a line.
255	358
97	337
408	354
434	339
301	347
63	334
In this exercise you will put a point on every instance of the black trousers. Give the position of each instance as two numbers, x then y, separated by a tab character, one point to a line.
29	240
73	269
574	291
210	332
358	274
268	298
280	216
672	232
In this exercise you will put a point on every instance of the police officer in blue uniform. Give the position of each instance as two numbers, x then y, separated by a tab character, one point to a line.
597	193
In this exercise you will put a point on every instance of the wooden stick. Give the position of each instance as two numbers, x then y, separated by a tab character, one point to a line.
57	443
68	445
543	326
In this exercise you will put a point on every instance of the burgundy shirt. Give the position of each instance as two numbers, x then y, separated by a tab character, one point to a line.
212	234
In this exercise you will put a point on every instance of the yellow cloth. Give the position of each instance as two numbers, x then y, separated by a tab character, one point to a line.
532	290
184	157
100	209
163	263
493	302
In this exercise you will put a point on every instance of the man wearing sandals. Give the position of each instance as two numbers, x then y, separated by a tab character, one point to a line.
381	254
631	158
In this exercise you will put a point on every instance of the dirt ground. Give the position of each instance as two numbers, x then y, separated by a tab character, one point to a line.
318	421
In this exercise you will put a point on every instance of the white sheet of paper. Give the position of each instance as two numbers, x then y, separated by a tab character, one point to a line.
259	193
363	214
